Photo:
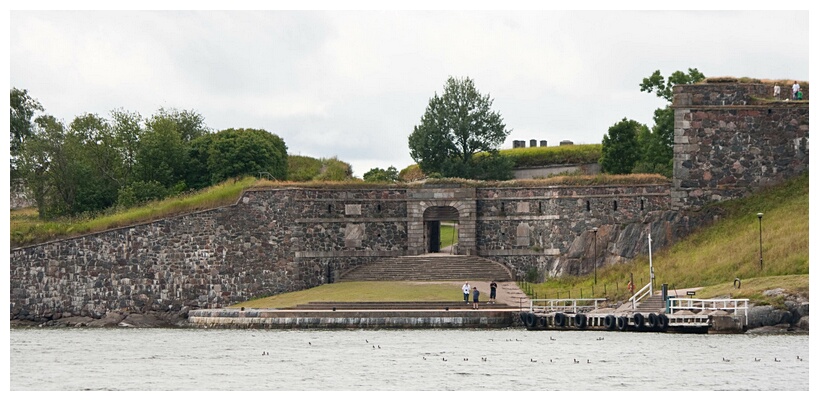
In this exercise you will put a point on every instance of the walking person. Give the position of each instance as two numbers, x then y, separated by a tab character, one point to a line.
493	291
475	295
465	289
795	89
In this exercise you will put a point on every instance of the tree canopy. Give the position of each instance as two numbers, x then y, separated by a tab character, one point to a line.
22	108
455	127
620	147
95	163
657	145
377	174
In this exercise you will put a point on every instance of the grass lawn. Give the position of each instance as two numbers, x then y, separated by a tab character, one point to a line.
362	291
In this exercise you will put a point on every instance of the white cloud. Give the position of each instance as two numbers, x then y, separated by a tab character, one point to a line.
354	83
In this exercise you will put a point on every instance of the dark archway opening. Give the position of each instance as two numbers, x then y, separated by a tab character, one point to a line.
441	229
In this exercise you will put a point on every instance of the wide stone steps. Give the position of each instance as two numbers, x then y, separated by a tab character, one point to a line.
651	304
429	268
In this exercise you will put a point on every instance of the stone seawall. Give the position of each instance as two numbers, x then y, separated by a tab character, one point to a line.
267	319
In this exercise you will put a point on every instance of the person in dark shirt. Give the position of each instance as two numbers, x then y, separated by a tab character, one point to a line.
493	291
475	295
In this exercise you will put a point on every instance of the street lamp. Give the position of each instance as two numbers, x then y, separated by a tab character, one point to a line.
759	216
595	255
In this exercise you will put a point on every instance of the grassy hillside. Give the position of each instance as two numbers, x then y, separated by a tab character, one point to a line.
27	227
711	258
722	252
567	154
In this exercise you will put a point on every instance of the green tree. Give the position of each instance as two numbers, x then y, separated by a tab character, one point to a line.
377	174
657	146
22	108
455	126
96	161
127	130
620	151
239	152
162	154
36	160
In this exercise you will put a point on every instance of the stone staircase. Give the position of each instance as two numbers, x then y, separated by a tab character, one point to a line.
652	304
430	267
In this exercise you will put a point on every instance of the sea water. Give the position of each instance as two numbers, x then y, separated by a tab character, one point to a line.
367	360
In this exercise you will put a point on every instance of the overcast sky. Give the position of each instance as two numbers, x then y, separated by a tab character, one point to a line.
352	84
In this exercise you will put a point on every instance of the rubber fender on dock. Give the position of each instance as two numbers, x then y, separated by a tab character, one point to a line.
530	320
639	320
622	323
543	322
653	321
560	319
580	321
663	322
610	322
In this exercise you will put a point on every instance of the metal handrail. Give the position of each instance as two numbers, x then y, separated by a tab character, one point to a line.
568	304
737	306
639	295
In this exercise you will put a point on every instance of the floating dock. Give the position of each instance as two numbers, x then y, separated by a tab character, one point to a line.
679	315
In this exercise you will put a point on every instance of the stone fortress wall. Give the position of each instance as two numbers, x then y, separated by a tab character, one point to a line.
279	240
730	141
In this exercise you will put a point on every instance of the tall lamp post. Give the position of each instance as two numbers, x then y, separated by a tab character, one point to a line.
595	255
759	216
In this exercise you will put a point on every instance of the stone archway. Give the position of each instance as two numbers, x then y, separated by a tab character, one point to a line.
437	204
433	217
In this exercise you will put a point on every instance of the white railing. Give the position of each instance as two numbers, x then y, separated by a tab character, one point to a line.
737	307
572	305
639	295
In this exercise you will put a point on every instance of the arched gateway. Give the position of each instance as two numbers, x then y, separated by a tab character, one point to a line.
428	207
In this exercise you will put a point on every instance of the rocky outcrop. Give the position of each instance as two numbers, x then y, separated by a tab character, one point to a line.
769	319
114	319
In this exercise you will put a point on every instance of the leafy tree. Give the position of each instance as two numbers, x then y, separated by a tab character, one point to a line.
162	154
238	152
97	161
380	175
455	126
189	124
657	146
126	128
620	151
664	89
37	157
22	108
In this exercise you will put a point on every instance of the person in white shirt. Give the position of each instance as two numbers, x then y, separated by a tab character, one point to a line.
465	289
795	89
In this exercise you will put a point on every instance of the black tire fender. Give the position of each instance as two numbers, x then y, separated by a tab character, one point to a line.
622	323
653	321
542	322
610	321
530	320
560	319
580	321
639	320
663	322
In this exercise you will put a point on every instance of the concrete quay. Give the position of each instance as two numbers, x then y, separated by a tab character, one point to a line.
354	319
